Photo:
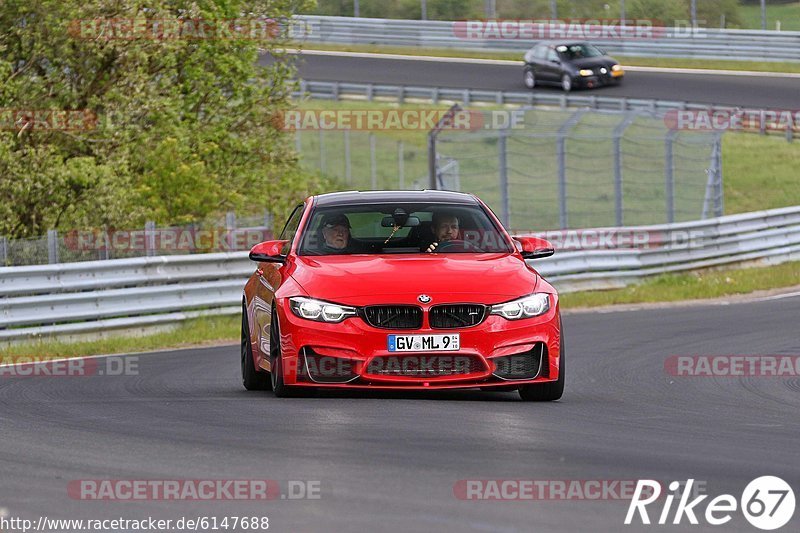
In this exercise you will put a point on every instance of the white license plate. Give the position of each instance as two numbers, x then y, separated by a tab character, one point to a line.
424	343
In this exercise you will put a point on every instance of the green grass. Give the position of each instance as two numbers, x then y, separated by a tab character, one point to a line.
788	14
194	332
760	172
691	286
632	61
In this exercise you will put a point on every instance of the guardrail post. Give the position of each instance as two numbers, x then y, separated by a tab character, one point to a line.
373	163
789	133
669	176
370	92
466	97
401	94
435	95
401	164
3	251
499	97
348	169
52	246
150	238
502	165
336	91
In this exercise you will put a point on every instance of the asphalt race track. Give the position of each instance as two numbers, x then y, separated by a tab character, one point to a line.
737	90
389	462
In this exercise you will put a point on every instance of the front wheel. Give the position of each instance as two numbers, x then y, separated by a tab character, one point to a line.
566	83
529	78
251	378
280	389
551	391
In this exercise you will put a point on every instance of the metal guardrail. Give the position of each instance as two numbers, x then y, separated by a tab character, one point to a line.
699	43
102	296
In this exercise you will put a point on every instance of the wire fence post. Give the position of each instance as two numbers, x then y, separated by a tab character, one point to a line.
373	164
52	246
401	174
619	131
502	165
3	251
561	153
322	162
230	229
150	238
669	175
719	197
348	168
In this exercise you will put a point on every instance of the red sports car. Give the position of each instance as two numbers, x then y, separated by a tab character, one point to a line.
400	290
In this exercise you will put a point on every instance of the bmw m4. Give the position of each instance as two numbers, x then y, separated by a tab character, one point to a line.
400	290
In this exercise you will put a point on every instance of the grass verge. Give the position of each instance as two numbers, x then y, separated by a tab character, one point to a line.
691	286
665	288
194	332
632	61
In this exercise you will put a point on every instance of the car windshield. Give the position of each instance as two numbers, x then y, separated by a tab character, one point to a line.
402	228
578	51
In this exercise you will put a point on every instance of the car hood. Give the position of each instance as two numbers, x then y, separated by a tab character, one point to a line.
593	62
359	279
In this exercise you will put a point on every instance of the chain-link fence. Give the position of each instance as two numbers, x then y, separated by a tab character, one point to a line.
580	169
226	234
555	168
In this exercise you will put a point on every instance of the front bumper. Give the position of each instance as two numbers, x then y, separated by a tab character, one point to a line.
599	80
352	354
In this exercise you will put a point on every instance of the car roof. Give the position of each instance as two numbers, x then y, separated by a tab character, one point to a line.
378	197
561	43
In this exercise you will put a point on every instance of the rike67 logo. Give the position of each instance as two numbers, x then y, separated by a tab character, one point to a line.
767	502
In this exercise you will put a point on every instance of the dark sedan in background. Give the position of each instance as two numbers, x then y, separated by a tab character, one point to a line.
570	65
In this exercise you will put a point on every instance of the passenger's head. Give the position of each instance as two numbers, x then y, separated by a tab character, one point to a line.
445	226
336	230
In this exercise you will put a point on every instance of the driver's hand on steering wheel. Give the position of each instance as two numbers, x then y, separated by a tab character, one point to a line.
432	247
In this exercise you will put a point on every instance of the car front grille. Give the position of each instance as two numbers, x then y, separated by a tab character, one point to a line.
456	315
526	365
425	365
393	316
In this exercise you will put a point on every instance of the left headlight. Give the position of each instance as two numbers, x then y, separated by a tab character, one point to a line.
585	72
529	306
311	309
616	68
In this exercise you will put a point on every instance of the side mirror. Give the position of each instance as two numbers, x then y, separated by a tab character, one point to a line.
535	247
268	252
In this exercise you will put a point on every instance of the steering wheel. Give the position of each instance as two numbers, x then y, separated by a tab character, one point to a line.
456	243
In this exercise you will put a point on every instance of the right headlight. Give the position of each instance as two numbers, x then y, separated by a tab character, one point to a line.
585	72
526	307
320	311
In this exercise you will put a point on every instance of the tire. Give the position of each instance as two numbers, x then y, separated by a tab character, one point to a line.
529	78
252	379
280	389
566	83
551	391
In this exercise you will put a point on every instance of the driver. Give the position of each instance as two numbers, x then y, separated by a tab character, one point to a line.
445	227
336	235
